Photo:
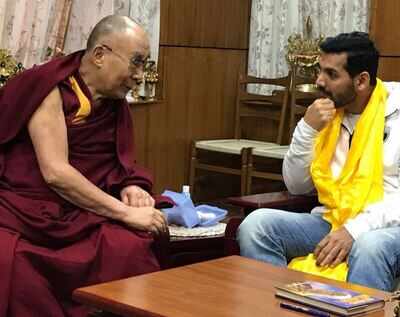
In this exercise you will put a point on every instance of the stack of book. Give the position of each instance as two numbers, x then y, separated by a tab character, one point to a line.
330	298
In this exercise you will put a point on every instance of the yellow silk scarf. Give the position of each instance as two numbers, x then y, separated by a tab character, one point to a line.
361	180
84	103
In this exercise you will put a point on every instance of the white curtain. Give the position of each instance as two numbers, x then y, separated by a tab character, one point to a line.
30	29
272	21
147	13
85	14
334	17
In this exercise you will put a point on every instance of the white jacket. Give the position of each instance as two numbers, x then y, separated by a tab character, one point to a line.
383	214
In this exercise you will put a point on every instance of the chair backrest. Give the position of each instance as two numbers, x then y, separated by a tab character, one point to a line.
273	106
303	92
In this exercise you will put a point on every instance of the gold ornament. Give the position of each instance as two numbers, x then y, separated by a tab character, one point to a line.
146	90
8	66
303	52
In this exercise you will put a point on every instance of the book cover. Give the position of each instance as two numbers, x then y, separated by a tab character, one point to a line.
330	297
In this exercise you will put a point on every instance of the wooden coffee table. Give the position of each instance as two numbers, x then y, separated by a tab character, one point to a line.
230	286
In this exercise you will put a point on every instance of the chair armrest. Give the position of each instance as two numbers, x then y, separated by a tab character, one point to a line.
277	200
231	246
161	250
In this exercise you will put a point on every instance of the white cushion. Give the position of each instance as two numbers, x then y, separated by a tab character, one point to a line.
232	146
278	151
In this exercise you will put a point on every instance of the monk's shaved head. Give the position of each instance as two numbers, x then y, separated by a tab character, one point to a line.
116	53
109	25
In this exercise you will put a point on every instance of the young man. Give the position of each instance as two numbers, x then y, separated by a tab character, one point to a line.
75	209
347	148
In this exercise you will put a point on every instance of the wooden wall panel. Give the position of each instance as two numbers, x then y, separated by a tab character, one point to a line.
389	68
140	115
203	48
205	23
385	15
200	92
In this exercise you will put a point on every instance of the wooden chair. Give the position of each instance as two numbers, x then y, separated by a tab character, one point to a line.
248	106
303	92
277	200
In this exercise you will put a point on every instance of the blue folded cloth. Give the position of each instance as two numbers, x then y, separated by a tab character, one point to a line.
184	213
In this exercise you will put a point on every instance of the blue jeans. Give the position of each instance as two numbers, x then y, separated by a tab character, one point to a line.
277	236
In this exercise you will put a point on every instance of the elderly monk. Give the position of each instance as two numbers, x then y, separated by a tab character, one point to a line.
75	209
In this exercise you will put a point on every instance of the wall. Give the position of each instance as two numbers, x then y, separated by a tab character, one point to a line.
203	47
384	29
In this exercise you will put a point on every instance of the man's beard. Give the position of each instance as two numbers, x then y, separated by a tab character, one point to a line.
342	99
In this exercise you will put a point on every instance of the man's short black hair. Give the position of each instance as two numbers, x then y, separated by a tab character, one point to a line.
362	54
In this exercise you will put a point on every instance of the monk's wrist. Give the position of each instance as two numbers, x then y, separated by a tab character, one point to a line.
122	212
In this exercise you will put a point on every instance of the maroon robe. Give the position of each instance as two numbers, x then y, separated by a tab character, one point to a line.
49	246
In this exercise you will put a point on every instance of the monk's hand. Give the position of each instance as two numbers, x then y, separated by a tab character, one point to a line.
320	113
146	219
134	196
334	248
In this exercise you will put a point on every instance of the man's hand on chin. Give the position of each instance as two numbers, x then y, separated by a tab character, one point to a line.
134	196
334	248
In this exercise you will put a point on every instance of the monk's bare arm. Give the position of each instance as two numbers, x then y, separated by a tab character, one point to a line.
48	131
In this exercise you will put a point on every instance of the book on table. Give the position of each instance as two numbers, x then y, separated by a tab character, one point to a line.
330	298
